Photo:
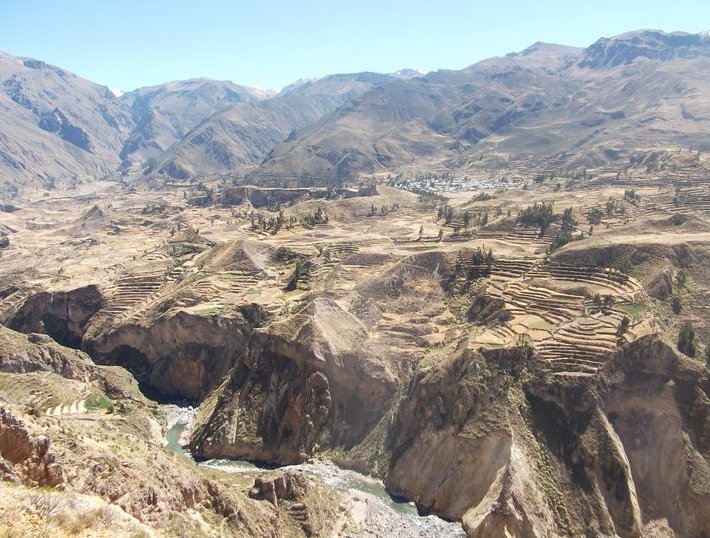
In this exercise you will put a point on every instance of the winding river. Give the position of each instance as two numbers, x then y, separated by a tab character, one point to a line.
374	510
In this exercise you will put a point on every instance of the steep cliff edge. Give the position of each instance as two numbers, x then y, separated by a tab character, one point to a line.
513	450
100	470
63	315
179	354
302	382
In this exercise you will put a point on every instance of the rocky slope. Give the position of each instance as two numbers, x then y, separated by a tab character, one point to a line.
301	382
102	469
60	129
57	127
563	456
245	133
488	438
606	104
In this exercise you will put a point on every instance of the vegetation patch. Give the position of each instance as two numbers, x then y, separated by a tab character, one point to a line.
98	402
636	311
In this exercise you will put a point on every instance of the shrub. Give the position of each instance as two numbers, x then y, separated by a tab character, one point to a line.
623	326
676	305
686	339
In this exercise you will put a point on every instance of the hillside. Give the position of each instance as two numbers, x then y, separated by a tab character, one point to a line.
583	107
164	114
245	133
56	127
549	106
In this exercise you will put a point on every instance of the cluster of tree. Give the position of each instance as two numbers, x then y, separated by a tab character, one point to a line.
480	265
564	236
687	343
384	210
468	218
540	215
301	270
430	199
319	216
445	212
678	286
686	339
612	208
632	196
482	197
204	195
481	257
602	303
481	218
623	326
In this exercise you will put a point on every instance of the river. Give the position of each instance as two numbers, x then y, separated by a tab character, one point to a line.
374	510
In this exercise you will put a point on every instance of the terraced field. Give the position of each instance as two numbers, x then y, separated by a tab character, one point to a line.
564	327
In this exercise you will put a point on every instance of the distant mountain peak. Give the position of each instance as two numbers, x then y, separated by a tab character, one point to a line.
650	44
408	73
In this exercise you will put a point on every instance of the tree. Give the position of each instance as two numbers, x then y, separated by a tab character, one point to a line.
681	278
623	326
686	339
607	303
597	302
292	283
676	305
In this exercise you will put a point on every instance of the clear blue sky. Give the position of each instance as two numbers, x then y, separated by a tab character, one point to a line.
129	43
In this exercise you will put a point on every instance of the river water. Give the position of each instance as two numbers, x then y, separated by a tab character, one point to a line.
374	510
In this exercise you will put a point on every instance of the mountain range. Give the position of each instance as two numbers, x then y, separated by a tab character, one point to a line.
589	106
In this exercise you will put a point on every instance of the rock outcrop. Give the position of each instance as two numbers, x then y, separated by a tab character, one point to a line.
179	354
281	486
31	458
306	381
620	454
21	353
63	315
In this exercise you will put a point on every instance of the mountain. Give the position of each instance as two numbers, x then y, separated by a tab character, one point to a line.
580	106
164	114
58	128
55	126
245	133
549	103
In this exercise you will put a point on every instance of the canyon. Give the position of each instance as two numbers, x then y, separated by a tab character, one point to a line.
508	337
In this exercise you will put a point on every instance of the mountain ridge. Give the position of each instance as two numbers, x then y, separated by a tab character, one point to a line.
590	106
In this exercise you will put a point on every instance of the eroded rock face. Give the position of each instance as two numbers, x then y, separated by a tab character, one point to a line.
179	355
20	353
31	459
282	486
62	315
621	454
660	416
302	382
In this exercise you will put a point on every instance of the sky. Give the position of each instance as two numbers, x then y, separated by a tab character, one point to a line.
126	44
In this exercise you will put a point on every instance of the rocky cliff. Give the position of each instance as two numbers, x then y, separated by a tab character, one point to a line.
303	383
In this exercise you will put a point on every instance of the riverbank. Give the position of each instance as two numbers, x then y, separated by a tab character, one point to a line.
370	509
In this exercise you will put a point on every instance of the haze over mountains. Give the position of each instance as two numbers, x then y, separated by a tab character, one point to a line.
578	107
